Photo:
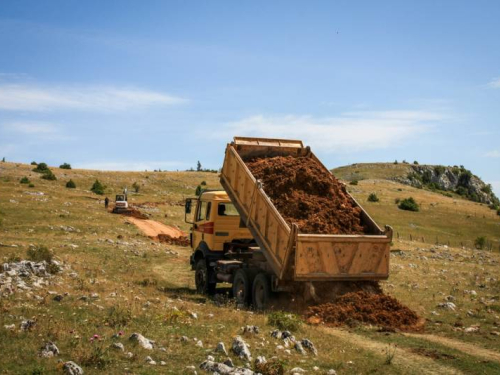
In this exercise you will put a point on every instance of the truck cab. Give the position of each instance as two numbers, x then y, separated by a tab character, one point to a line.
216	230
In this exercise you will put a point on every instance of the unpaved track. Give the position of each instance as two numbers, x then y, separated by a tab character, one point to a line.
153	228
462	346
409	362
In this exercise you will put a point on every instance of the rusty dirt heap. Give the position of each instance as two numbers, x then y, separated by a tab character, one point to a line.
362	307
304	194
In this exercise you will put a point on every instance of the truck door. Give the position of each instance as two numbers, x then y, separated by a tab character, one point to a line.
203	229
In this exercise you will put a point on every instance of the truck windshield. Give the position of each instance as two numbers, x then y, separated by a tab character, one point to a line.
227	209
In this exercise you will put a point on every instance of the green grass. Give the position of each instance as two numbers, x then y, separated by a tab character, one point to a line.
143	289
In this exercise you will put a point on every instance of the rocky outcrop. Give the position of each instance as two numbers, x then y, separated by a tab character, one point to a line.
455	179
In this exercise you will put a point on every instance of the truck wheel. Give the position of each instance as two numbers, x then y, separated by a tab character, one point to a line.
261	292
242	286
201	278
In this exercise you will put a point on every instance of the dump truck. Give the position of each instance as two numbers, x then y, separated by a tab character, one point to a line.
239	237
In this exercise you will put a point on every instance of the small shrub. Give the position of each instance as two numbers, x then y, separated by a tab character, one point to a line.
71	184
65	166
3	159
373	198
40	254
31	185
498	212
199	190
41	168
415	162
486	189
34	163
118	317
462	191
284	321
409	204
427	177
480	242
136	187
439	170
24	180
203	183
395	162
48	175
272	367
355	182
98	188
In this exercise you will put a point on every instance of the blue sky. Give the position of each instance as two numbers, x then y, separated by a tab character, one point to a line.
161	84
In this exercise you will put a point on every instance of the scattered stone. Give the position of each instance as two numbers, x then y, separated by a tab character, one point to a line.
229	362
193	315
129	354
223	369
184	339
71	368
331	372
163	363
240	348
300	348
150	361
472	329
221	348
252	330
297	370
58	297
118	346
142	341
260	360
306	343
10	327
49	350
447	306
199	343
26	325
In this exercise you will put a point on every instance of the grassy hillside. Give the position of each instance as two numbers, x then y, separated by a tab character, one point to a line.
115	281
441	219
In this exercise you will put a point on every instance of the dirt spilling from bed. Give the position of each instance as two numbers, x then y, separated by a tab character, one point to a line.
362	307
304	194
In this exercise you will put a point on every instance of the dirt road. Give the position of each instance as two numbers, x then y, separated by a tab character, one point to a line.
153	228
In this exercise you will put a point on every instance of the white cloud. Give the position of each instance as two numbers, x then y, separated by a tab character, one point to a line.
34	128
133	166
349	132
22	97
494	83
493	154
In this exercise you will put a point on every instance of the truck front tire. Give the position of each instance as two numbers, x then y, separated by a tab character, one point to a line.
202	277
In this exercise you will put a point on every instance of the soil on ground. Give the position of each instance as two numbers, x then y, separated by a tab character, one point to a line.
179	241
304	194
362	307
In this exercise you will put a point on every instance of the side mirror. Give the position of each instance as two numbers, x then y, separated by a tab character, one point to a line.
187	206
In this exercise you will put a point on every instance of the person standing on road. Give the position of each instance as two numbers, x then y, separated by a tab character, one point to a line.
106	202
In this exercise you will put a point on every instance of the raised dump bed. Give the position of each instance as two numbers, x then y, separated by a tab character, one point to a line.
290	254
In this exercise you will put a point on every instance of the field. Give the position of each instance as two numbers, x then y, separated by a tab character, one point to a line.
115	282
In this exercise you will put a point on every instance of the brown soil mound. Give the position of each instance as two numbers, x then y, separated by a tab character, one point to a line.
363	307
304	194
179	241
135	213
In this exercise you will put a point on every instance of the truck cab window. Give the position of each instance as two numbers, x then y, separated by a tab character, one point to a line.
202	209
227	209
209	206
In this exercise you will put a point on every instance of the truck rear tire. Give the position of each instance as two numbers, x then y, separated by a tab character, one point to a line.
242	286
202	277
261	292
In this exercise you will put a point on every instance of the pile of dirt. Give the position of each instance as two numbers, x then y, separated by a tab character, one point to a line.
362	307
179	241
304	194
132	212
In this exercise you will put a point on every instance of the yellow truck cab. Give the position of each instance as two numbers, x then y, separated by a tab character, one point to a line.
216	230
